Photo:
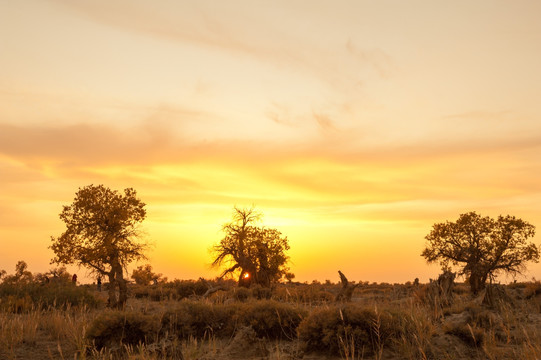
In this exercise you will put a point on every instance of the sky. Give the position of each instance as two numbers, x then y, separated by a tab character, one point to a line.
353	126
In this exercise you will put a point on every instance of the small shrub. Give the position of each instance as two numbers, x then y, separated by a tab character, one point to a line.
271	319
187	288
476	325
140	292
461	289
472	336
260	292
306	294
365	328
532	289
153	292
17	304
114	328
22	297
200	319
241	293
268	319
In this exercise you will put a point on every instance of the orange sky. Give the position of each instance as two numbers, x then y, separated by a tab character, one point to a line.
352	125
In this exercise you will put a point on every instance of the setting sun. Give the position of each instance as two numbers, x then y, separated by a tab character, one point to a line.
353	126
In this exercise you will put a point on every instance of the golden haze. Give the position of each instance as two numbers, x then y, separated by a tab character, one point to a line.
353	126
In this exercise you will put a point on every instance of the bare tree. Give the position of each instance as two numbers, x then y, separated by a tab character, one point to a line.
256	254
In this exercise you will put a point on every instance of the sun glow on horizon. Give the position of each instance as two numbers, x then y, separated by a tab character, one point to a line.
351	127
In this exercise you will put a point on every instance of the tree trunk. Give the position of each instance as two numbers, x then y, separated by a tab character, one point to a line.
116	278
112	301
122	289
477	282
118	272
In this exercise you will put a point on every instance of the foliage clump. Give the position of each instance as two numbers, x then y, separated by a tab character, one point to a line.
144	275
187	288
114	328
271	319
200	319
476	324
23	291
366	329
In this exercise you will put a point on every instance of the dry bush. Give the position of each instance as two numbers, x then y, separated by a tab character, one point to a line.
200	320
472	336
304	294
532	289
363	328
272	319
114	328
153	292
269	319
477	325
24	297
261	293
68	326
461	288
241	293
16	329
192	288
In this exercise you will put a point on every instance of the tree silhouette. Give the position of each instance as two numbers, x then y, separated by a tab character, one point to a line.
256	254
144	275
102	235
21	276
482	246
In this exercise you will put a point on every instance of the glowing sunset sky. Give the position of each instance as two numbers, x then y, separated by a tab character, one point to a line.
352	125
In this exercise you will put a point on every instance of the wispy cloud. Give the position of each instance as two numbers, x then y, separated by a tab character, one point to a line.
317	173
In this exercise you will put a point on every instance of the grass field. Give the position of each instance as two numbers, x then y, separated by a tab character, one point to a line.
291	321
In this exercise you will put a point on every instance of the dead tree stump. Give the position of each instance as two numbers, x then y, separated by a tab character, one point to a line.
346	292
441	290
495	296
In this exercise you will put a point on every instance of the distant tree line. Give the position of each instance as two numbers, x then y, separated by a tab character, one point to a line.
103	235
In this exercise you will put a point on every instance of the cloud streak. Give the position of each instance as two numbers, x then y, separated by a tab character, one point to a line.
319	173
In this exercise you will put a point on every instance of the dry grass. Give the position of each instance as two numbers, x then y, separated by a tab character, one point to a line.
404	327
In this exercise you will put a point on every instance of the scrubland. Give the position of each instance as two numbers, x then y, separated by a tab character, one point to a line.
291	321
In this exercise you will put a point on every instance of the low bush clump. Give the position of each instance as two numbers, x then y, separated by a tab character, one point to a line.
22	297
363	328
241	293
306	294
261	293
532	289
272	319
187	288
472	336
153	292
477	323
200	319
269	319
113	328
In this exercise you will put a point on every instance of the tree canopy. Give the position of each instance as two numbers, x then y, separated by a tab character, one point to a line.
102	234
144	275
482	246
255	254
